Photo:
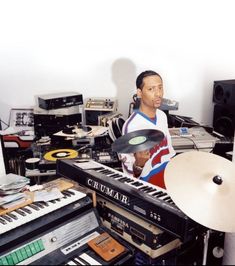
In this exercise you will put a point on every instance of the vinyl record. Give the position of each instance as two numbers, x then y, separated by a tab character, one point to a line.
116	131
110	130
86	128
76	129
115	127
138	140
120	122
60	154
68	130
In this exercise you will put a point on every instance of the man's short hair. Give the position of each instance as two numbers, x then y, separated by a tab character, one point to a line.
139	80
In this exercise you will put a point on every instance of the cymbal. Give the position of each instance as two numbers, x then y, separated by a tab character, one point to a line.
202	185
138	140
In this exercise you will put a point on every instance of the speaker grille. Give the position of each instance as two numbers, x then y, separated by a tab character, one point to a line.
224	120
224	92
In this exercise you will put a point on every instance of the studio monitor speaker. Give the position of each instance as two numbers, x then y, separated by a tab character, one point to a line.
224	92
224	119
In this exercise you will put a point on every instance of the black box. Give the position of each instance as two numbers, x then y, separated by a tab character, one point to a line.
143	235
47	125
59	100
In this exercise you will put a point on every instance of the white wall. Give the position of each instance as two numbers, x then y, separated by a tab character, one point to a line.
98	47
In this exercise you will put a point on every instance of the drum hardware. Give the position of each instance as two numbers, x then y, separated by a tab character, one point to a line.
207	190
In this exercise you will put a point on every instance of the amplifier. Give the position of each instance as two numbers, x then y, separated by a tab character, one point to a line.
145	236
59	100
59	111
101	104
97	107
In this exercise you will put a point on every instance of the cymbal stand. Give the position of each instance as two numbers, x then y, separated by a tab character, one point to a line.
205	246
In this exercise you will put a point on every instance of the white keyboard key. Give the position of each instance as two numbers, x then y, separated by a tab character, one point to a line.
42	211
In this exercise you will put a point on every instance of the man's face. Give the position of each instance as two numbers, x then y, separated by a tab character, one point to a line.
152	92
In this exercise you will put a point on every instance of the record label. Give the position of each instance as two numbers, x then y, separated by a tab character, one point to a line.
60	154
137	140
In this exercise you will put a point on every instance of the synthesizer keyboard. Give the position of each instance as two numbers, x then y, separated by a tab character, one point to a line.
144	199
63	243
38	215
35	210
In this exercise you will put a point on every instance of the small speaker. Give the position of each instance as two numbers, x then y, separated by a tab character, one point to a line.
224	119
92	116
224	92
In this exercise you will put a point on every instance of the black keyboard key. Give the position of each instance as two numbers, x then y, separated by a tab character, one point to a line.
7	218
166	198
13	216
39	204
151	189
129	180
45	203
161	195
137	184
157	193
123	179
33	206
2	221
20	212
66	193
143	188
26	210
71	192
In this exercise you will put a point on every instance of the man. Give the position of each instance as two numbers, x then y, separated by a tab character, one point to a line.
148	165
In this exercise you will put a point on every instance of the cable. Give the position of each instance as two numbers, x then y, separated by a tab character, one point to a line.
195	145
193	124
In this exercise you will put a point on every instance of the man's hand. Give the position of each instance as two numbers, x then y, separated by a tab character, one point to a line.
141	157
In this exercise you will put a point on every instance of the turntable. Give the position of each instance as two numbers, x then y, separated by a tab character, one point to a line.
78	131
60	154
49	158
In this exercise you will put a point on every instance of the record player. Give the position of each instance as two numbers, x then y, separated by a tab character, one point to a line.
48	162
48	122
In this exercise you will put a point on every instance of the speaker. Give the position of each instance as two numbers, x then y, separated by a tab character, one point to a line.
224	119
224	92
215	250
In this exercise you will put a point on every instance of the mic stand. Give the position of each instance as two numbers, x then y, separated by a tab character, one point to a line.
205	246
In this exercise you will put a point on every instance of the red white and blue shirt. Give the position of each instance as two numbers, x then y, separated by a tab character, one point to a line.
160	154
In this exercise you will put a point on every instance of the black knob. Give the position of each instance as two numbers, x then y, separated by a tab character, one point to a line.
217	180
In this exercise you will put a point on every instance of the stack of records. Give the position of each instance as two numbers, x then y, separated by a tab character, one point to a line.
11	187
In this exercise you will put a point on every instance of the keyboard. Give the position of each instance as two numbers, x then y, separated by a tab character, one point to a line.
142	198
